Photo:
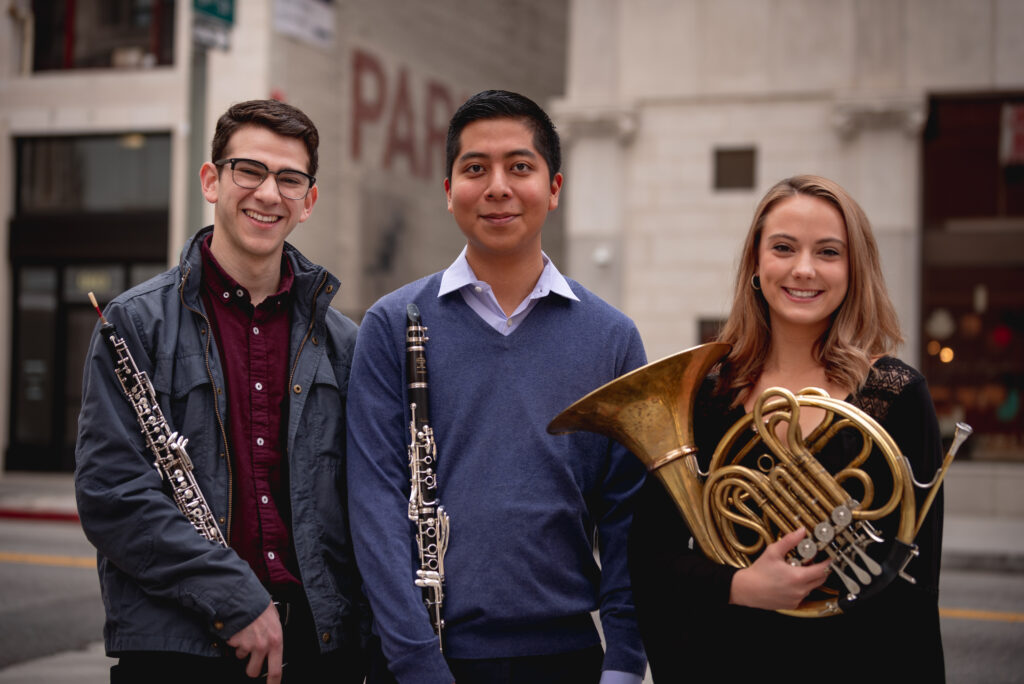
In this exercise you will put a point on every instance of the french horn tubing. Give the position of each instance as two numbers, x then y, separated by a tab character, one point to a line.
764	479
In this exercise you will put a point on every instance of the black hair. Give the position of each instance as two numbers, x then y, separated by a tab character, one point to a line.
502	104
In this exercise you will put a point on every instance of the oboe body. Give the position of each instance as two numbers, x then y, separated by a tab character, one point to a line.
168	448
425	511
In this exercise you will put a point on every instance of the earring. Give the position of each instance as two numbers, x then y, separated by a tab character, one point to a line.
755	282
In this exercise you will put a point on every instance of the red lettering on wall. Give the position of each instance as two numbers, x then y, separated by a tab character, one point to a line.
415	111
401	129
439	110
364	109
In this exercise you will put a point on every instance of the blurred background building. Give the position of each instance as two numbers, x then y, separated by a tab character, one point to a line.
107	108
679	115
676	116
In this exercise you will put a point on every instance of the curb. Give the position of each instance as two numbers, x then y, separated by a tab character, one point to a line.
29	514
983	562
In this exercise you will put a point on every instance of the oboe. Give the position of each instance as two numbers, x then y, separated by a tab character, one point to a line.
168	448
424	510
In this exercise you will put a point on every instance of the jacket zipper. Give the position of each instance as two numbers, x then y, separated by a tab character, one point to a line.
309	330
291	380
216	404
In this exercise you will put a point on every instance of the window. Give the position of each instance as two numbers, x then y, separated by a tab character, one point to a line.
972	303
91	215
130	34
734	168
96	173
708	329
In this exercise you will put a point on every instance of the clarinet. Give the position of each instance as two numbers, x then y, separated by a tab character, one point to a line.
171	459
424	510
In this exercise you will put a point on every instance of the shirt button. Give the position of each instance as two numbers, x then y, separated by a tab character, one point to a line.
265	499
508	323
227	295
255	330
259	386
259	441
478	288
240	292
271	555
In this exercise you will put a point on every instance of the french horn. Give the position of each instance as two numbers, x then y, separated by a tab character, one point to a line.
764	480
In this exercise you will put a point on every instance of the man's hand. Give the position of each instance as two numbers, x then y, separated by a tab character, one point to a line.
772	583
262	639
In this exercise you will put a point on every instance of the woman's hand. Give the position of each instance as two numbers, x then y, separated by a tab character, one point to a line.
772	583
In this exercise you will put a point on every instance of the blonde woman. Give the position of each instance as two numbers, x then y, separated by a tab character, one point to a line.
810	310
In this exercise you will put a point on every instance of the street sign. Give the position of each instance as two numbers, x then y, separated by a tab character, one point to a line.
220	10
211	23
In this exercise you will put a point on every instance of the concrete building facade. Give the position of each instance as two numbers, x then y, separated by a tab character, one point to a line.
118	101
676	116
680	114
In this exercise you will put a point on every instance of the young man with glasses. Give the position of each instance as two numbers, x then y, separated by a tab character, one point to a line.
250	363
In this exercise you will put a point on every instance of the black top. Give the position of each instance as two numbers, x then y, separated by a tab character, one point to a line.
692	634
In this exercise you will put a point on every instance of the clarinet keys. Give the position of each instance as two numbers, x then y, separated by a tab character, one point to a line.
429	518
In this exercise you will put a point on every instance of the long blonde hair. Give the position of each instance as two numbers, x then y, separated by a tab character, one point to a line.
863	327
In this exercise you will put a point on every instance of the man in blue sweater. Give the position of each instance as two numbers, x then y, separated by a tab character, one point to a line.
512	343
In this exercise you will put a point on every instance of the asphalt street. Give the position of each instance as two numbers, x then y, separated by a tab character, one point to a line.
51	614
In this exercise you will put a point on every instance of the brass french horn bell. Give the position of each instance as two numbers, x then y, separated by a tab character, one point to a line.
760	486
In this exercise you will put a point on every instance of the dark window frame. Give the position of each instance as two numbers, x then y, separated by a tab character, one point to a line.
734	168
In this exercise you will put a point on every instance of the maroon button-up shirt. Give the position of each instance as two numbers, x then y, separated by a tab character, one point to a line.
253	344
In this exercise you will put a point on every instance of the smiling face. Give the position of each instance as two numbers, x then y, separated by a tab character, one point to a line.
803	262
250	225
500	190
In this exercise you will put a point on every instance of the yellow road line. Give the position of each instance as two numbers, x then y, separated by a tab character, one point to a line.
46	559
988	615
89	562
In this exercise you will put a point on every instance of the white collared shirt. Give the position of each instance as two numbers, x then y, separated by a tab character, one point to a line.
480	297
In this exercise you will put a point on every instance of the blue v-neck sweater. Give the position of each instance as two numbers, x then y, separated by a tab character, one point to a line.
524	505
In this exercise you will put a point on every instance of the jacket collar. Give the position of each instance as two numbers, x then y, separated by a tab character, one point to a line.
308	276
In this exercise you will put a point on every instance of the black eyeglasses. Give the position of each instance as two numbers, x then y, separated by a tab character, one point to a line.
250	174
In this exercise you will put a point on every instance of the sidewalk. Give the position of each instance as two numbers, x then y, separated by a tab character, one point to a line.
38	496
88	666
969	542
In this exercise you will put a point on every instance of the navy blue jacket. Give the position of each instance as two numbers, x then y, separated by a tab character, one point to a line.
164	587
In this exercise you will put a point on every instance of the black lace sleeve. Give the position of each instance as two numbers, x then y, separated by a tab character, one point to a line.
888	379
897	397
